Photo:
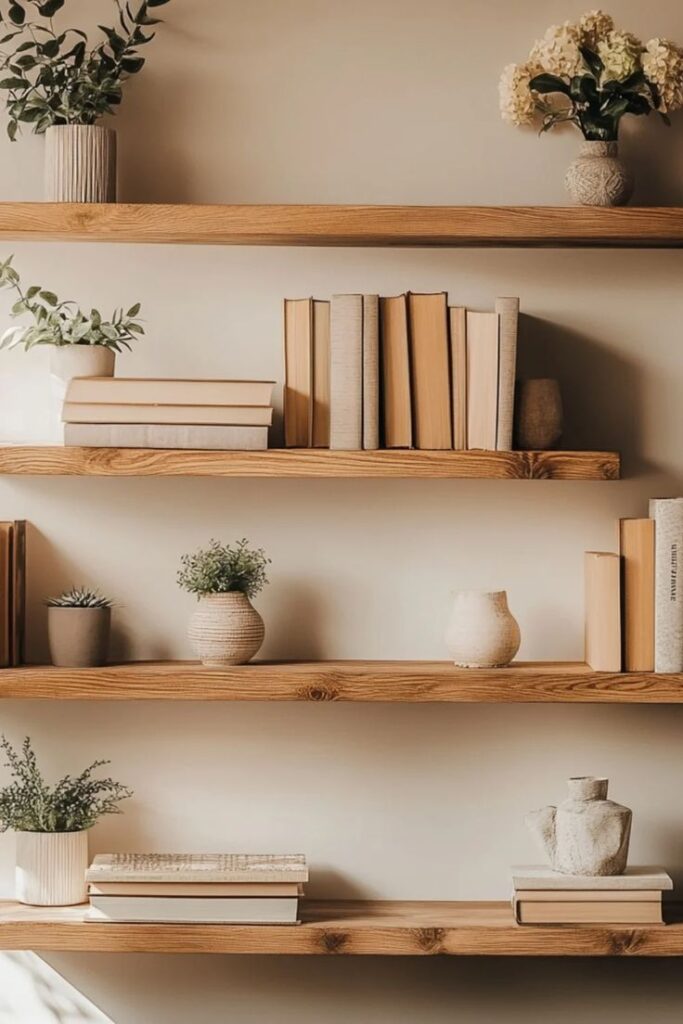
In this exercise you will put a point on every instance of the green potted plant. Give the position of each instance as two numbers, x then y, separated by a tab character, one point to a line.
225	629
60	85
81	344
591	75
78	626
52	825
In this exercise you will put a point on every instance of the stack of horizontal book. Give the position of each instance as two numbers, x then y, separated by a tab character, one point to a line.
193	888
120	412
12	593
401	372
634	597
542	896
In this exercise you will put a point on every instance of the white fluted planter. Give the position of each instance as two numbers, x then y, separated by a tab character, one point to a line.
51	867
482	632
80	164
226	629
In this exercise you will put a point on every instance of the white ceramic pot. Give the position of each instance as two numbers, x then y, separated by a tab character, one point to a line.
226	629
80	164
597	177
69	361
51	867
482	632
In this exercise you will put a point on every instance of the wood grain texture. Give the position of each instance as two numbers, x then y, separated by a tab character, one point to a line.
527	226
378	928
296	463
413	682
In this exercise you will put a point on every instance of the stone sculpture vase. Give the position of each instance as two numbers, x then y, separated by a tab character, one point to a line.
587	834
226	629
482	632
597	177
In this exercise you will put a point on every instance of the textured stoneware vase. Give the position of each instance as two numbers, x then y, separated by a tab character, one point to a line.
78	637
538	414
50	868
482	632
597	177
226	629
80	164
587	834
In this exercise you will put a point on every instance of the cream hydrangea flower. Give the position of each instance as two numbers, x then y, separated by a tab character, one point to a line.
620	53
517	104
558	51
663	66
594	26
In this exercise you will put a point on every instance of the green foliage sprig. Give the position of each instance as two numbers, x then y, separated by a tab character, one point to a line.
79	597
55	77
63	323
220	569
29	804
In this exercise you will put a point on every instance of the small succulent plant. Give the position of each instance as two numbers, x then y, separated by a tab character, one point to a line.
79	597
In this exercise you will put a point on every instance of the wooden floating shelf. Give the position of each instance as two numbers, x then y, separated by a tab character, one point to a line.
411	682
454	226
304	463
377	928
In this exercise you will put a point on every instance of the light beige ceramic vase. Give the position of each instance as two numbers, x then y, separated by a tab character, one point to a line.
80	164
78	637
482	632
598	177
51	867
587	834
226	629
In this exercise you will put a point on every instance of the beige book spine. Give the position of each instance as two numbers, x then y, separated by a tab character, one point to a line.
151	391
370	372
5	595
430	369
195	889
507	309
396	400
637	549
458	331
603	611
668	516
588	913
133	435
482	380
298	373
321	374
589	896
346	372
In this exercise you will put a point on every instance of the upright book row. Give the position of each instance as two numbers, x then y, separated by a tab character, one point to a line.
634	598
364	372
12	592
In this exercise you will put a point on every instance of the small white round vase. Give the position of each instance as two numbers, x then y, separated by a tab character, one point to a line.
51	867
482	632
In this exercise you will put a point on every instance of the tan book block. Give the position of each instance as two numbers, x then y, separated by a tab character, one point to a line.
603	611
321	374
346	372
430	365
637	549
588	913
182	415
167	391
458	330
395	362
370	372
507	309
482	380
298	391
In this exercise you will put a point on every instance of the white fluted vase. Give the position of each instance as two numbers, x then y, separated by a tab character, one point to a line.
226	629
80	164
51	867
482	632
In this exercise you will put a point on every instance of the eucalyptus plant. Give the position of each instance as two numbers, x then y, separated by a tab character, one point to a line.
56	77
63	323
79	597
220	569
75	803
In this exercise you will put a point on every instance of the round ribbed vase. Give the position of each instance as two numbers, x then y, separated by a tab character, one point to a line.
226	629
597	177
51	867
80	164
482	632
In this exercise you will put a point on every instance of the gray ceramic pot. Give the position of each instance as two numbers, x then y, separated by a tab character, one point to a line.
79	637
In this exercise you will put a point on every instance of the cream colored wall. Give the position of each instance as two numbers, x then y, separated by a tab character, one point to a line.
312	101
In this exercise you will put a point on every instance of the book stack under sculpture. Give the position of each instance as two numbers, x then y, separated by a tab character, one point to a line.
201	888
365	372
120	412
543	896
634	599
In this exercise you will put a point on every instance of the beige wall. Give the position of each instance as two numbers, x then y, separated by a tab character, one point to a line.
381	101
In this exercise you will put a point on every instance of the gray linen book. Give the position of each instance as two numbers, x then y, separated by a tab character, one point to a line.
370	372
507	309
668	516
140	435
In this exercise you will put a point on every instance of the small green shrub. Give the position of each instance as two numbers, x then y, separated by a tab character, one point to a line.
220	569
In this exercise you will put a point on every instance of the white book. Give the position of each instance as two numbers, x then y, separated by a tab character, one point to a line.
150	390
195	909
197	867
140	435
507	309
533	876
370	372
668	516
346	372
482	380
